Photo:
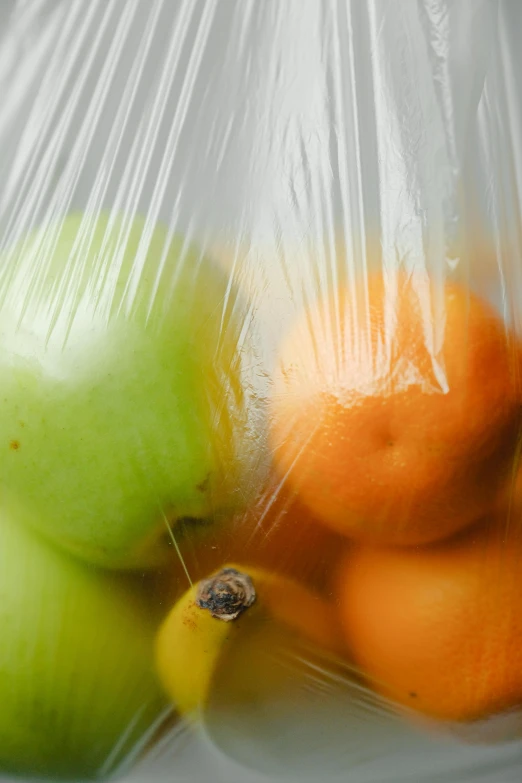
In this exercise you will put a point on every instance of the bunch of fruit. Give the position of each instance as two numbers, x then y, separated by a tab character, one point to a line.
123	428
144	531
397	417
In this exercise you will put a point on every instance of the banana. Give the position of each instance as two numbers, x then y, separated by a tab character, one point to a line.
214	612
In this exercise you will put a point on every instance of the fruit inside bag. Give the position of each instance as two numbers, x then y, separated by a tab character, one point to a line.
261	391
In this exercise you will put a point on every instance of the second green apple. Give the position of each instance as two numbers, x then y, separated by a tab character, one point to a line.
122	395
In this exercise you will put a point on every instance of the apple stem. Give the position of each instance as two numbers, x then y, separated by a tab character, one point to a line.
226	594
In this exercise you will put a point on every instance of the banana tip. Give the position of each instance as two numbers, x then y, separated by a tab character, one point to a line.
226	594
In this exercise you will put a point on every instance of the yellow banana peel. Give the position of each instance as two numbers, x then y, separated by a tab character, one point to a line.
214	612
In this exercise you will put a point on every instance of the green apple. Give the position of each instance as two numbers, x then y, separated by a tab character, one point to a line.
78	693
122	396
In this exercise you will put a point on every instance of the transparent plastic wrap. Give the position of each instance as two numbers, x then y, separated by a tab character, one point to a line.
261	392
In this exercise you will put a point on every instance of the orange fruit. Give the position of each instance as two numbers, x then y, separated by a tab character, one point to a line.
439	629
395	413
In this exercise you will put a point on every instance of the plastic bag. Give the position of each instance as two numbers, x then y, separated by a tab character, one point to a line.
260	380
